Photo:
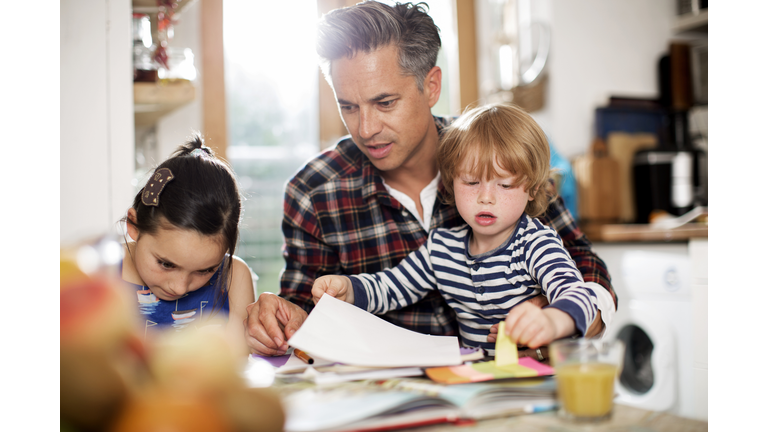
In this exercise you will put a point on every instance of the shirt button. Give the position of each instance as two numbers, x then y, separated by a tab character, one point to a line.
476	266
481	290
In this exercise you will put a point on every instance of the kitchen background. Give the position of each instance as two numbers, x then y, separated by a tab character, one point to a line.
249	81
599	48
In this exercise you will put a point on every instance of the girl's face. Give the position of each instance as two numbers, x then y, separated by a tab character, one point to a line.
491	207
173	262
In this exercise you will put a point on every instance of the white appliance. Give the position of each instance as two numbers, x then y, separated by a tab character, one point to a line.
655	321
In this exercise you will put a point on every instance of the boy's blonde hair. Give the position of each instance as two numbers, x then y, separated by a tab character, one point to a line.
502	133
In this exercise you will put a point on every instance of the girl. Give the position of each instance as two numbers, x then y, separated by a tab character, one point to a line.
184	229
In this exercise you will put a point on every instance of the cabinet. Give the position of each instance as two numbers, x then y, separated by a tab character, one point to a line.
694	25
699	251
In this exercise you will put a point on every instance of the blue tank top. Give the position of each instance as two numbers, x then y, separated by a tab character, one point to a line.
195	307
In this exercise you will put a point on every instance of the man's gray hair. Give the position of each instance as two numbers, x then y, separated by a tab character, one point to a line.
371	25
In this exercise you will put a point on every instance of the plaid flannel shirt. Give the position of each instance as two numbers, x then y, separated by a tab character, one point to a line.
340	219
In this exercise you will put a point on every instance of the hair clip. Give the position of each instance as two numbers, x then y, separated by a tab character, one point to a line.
198	151
155	185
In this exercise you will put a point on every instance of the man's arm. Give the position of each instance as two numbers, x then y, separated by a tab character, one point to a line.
306	255
272	319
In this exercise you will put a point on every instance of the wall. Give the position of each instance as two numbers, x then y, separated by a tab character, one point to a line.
96	115
599	48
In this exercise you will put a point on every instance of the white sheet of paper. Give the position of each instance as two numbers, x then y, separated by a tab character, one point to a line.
342	332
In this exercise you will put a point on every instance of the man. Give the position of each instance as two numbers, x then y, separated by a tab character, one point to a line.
363	205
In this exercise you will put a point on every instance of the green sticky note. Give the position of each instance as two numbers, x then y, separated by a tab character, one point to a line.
506	350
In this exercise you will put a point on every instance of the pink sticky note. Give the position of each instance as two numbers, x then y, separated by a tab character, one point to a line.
541	369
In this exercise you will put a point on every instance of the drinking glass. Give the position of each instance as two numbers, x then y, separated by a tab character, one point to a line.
586	371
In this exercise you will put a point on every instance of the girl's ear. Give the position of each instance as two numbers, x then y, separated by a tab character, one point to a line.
130	226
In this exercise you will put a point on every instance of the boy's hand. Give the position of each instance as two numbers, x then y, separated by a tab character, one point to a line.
538	301
528	325
336	286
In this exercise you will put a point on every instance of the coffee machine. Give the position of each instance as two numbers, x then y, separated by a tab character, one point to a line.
664	181
673	177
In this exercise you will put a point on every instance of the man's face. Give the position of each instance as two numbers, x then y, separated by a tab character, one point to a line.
384	111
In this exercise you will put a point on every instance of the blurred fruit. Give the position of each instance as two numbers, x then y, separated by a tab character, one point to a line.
194	360
113	380
254	410
164	411
92	390
98	348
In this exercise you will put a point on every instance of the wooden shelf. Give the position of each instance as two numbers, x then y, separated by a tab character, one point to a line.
151	101
693	22
643	232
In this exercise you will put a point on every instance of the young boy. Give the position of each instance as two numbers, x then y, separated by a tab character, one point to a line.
494	163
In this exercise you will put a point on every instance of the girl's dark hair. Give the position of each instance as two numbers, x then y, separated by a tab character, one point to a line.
203	196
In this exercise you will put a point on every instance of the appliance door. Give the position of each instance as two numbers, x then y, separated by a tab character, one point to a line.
648	378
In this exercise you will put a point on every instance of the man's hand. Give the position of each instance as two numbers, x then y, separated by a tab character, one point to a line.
596	327
336	286
271	321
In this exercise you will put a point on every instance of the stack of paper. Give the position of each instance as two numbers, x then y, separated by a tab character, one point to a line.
401	403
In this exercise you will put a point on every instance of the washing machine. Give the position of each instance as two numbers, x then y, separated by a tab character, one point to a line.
655	321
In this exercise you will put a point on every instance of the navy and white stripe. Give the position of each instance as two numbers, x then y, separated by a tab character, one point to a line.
482	289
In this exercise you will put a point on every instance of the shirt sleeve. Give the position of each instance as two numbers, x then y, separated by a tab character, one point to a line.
592	268
306	255
398	287
549	264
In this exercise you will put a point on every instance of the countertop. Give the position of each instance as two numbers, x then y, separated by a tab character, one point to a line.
597	232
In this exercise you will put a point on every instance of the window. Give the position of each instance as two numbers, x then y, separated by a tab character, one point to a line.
271	90
272	82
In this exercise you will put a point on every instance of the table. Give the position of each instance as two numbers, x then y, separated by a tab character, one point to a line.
625	419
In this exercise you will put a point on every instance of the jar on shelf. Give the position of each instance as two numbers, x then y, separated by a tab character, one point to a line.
181	66
144	67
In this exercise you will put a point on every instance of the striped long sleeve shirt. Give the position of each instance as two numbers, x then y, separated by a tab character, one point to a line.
482	289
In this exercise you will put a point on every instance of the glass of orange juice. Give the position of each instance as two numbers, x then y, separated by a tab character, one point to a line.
586	371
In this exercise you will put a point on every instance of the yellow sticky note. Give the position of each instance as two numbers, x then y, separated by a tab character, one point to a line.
506	350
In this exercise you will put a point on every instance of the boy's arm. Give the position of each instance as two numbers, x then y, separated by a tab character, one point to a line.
549	264
398	287
592	268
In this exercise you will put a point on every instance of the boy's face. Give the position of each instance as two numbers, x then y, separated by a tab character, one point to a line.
491	207
384	111
173	262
